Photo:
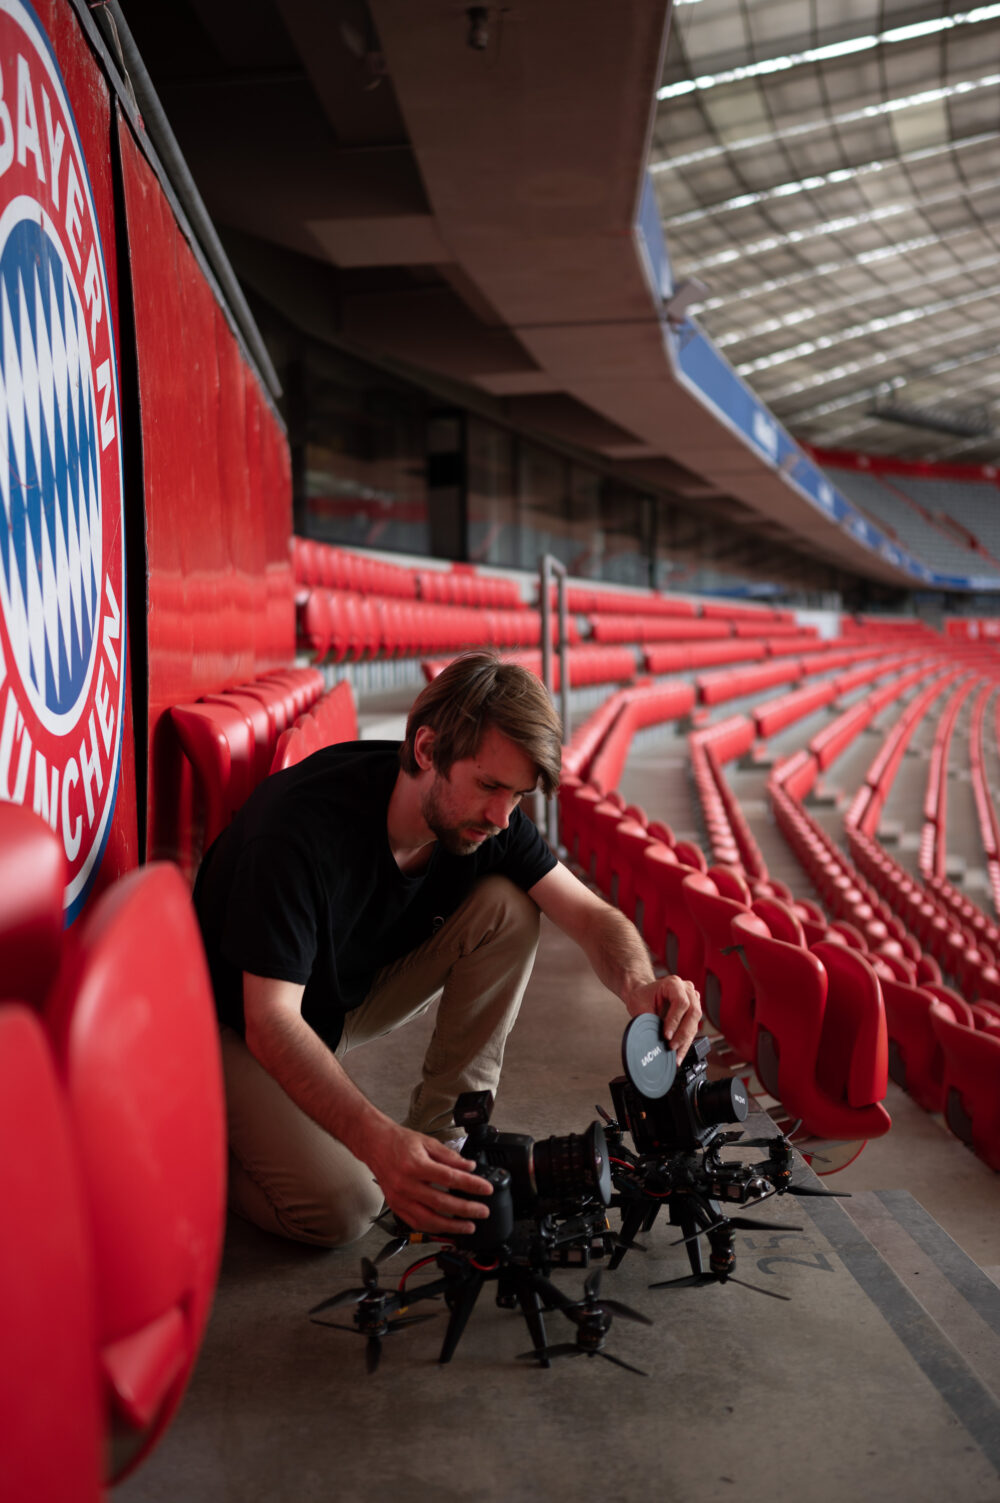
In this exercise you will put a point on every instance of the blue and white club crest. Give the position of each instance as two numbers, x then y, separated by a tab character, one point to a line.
62	630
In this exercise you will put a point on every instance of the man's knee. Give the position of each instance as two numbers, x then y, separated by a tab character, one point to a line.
322	1216
510	909
336	1225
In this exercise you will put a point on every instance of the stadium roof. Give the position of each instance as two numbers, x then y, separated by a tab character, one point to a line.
831	173
463	190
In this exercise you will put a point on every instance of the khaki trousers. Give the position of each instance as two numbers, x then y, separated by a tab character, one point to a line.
289	1176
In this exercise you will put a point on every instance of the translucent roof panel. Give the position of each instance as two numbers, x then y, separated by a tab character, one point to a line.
832	175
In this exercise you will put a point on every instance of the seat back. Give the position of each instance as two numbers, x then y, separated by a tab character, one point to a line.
51	1427
32	879
727	993
782	920
915	1058
789	986
667	925
853	1062
971	1084
218	740
134	1032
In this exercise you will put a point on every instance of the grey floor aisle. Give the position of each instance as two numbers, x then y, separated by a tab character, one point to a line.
879	1377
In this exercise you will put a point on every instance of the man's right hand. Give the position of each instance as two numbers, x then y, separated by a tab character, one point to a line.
415	1174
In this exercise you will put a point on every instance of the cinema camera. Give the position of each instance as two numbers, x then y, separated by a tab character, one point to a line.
535	1182
548	1207
675	1117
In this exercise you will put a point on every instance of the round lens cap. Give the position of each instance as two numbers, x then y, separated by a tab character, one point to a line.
649	1063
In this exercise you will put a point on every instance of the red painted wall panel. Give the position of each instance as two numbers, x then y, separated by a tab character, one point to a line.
66	745
217	488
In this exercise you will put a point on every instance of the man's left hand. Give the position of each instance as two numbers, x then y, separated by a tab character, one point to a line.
677	1002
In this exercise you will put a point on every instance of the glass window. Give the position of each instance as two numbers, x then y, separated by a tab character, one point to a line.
491	503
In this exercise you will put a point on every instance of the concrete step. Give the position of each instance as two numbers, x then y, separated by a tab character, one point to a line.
959	1296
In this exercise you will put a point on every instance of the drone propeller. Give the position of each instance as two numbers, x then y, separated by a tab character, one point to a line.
373	1351
569	1349
738	1224
697	1280
809	1190
590	1304
352	1296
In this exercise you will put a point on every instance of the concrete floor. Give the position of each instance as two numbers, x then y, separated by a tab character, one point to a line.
877	1379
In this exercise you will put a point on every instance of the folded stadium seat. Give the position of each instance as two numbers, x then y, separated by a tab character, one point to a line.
595	831
277	702
853	1063
731	883
606	818
893	962
771	887
928	970
789	988
665	922
218	741
727	990
821	1046
305	562
916	1061
337	714
51	1422
296	743
689	854
842	931
135	1036
971	1086
781	919
261	727
304	684
32	879
314	623
628	842
960	1009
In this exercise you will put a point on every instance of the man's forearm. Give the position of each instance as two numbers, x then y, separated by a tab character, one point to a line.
291	1052
617	953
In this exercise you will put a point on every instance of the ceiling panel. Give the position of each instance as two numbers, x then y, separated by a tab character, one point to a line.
848	178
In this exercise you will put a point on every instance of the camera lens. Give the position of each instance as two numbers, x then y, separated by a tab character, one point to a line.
721	1101
572	1168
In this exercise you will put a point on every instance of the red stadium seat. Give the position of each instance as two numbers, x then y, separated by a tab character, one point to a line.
51	1425
821	1041
667	925
219	743
135	1035
32	879
971	1084
727	993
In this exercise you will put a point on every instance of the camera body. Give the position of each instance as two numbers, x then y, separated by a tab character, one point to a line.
552	1177
671	1109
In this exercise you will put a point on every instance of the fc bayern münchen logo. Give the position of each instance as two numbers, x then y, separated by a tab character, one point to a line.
62	560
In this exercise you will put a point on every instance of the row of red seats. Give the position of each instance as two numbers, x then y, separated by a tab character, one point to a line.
230	738
829	1055
643	705
112	1134
587	665
335	626
909	978
333	718
933	836
942	1050
815	657
317	565
729	834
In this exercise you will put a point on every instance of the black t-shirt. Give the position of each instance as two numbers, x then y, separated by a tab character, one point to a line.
303	885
